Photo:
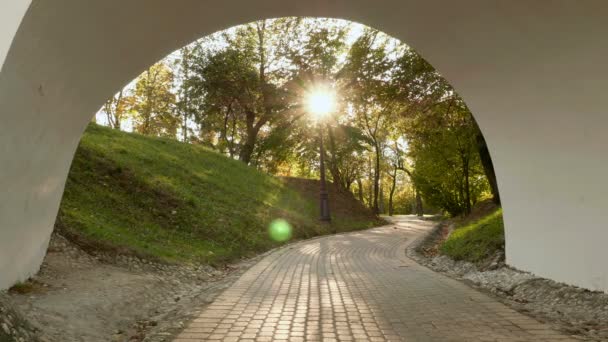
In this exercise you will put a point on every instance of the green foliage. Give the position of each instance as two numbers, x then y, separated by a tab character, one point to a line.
242	92
187	102
347	146
476	241
179	202
241	84
117	108
22	288
442	137
153	102
443	147
316	47
369	92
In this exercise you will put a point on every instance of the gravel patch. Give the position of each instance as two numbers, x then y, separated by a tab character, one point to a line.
100	297
13	328
571	309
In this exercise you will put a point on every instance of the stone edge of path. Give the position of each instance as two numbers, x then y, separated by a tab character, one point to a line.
13	327
539	298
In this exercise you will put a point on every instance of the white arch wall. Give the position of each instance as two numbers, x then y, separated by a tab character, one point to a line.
533	73
10	18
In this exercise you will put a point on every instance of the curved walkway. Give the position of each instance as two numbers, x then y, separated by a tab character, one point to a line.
357	287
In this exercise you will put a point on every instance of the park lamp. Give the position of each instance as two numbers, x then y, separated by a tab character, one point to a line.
321	102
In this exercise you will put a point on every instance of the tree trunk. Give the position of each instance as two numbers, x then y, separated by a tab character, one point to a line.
224	132
253	128
247	148
147	124
250	140
370	199
114	110
118	111
392	192
347	184
488	166
117	120
335	171
381	200
467	187
109	117
185	127
186	71
376	180
231	144
419	209
360	187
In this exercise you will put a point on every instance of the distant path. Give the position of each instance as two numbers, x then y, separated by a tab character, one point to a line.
357	287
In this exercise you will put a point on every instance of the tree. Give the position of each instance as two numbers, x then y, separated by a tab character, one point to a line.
154	103
117	108
425	91
241	92
187	101
395	159
346	147
448	170
243	84
371	99
488	166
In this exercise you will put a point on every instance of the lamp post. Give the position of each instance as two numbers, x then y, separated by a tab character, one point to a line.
323	195
321	103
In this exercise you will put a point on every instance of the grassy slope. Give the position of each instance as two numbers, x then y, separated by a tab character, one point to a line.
178	202
477	240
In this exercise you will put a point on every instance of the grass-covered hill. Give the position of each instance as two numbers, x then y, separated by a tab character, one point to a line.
477	237
178	202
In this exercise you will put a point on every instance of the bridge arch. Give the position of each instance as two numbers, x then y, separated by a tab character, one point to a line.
534	75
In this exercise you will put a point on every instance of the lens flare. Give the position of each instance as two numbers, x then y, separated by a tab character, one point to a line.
321	102
280	230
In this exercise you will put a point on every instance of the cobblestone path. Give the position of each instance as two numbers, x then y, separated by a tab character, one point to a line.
357	287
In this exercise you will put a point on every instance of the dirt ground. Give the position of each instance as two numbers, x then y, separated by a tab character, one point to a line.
80	297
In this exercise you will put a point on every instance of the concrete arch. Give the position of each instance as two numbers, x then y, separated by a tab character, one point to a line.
534	74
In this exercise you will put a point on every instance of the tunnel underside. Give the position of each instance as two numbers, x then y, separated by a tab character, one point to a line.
533	74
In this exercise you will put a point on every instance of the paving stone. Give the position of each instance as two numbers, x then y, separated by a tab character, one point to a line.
358	287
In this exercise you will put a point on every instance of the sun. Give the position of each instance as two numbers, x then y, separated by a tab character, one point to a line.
321	102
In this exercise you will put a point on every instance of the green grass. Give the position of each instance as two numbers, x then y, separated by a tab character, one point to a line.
22	288
178	202
476	241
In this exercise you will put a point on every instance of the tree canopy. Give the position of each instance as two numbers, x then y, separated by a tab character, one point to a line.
398	127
